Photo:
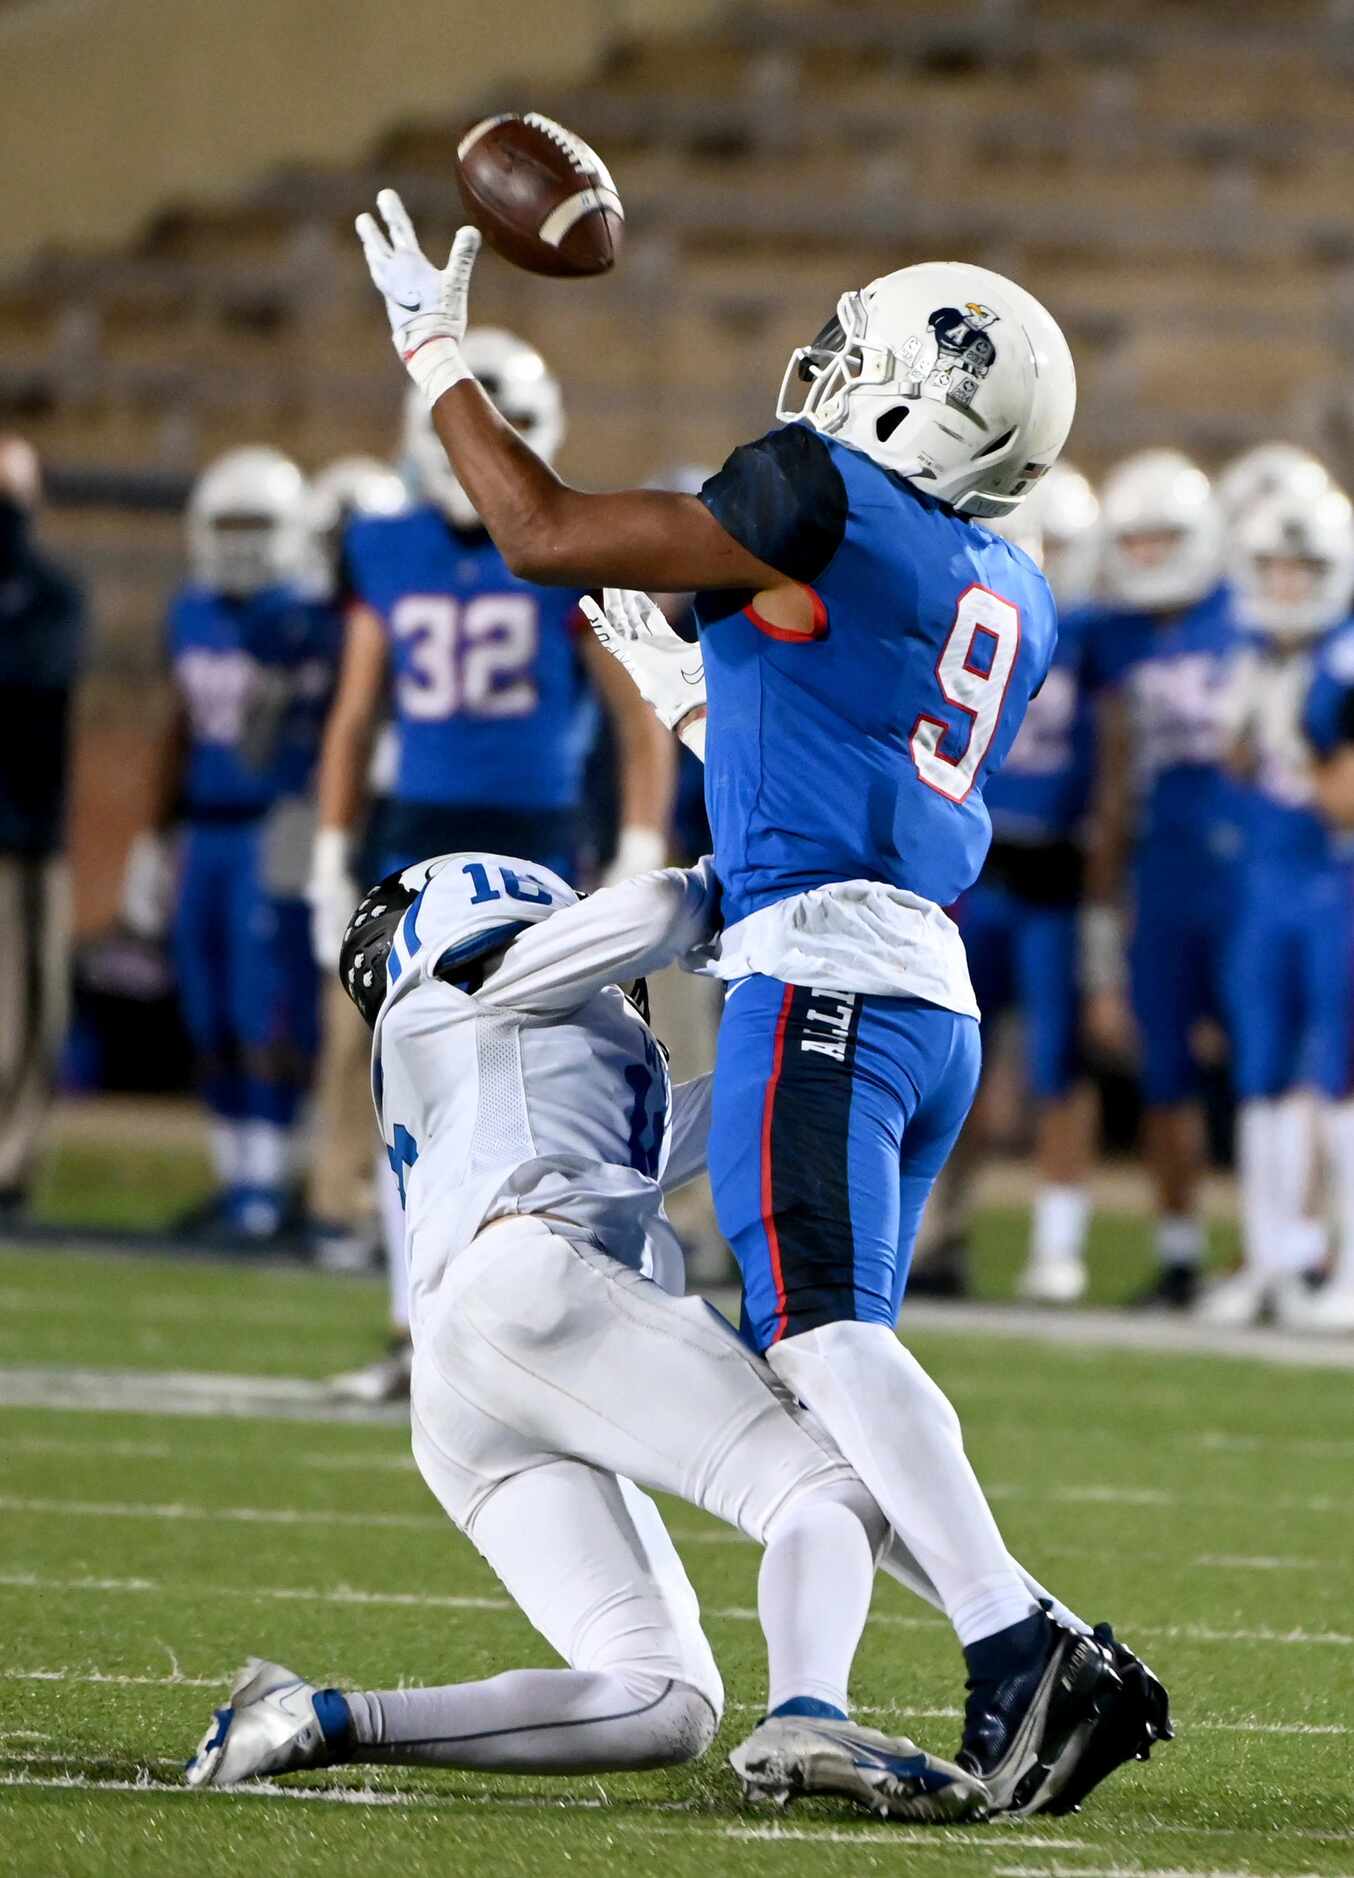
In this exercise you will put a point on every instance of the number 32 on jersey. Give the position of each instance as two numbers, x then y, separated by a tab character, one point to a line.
474	656
973	671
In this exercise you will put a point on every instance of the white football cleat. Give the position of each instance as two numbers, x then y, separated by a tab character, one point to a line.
269	1727
787	1756
1053	1281
1324	1311
1234	1303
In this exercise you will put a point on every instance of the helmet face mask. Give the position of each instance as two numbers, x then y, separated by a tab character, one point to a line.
248	525
951	376
1295	565
518	383
1163	534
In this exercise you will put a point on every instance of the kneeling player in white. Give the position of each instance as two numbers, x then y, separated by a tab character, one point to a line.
528	1113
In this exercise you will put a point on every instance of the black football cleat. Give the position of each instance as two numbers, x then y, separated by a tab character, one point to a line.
1130	1722
1027	1727
1174	1288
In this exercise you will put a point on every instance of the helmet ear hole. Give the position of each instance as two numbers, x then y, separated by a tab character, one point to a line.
888	422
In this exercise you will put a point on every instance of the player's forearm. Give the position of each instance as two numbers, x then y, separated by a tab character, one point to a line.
559	536
339	785
1334	784
617	934
167	773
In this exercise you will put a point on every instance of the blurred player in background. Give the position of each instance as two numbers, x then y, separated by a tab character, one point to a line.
1328	723
1166	820
1020	922
252	657
340	1192
42	624
1292	1003
490	680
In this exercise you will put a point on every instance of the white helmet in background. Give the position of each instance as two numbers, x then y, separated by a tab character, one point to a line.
1064	509
347	487
1268	469
1295	564
951	376
247	522
1162	532
516	379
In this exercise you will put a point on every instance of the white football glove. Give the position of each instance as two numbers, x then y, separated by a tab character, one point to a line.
426	306
668	673
331	893
638	851
148	885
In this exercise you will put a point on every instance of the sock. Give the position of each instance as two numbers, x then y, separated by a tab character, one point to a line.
1255	1135
1338	1128
226	1150
900	1565
392	1229
335	1719
1299	1243
813	1596
902	1437
260	1193
1180	1239
807	1706
1058	1227
536	1721
1006	1653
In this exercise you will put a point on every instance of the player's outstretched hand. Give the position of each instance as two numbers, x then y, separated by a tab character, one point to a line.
667	672
427	307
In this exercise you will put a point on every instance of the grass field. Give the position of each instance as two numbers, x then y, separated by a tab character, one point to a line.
1201	1504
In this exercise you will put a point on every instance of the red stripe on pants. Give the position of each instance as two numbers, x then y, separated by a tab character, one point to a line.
768	1198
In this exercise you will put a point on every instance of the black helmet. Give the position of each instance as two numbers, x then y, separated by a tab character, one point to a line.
370	935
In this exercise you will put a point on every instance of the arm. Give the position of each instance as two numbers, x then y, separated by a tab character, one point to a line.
688	1132
148	872
615	935
341	780
647	765
545	530
1102	924
1334	783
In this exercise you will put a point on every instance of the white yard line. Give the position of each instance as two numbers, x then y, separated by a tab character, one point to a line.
233	1515
183	1393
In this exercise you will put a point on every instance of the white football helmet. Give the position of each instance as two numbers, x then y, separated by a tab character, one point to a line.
247	522
1064	509
1295	564
950	375
515	377
347	487
1162	532
1268	469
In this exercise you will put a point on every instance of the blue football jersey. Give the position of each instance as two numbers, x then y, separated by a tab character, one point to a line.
1328	709
1174	673
861	753
488	691
1043	790
255	676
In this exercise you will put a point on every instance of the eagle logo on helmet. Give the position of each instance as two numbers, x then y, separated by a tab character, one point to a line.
965	352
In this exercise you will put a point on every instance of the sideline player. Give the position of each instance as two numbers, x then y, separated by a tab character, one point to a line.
1328	723
489	678
528	1115
1020	922
1292	997
846	602
252	664
1166	821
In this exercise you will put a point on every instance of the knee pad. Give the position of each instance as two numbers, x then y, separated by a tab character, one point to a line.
685	1724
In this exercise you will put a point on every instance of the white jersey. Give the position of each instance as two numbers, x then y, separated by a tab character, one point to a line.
543	1090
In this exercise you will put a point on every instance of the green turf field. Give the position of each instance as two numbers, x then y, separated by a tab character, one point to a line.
1201	1504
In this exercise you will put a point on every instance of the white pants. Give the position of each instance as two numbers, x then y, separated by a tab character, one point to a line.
543	1372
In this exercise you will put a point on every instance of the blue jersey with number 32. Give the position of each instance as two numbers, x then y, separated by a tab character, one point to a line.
861	753
487	689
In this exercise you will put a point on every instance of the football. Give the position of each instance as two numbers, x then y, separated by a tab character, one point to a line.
539	195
